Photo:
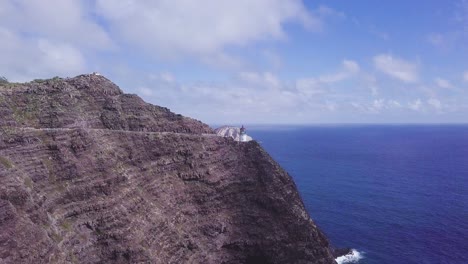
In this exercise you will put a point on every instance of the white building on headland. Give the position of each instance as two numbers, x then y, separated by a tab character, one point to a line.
238	134
243	134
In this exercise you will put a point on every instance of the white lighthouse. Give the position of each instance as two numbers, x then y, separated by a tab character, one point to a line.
243	134
234	132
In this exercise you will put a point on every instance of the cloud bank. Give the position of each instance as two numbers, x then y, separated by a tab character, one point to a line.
217	60
397	68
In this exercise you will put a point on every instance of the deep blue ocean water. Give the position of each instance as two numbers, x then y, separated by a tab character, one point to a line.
397	194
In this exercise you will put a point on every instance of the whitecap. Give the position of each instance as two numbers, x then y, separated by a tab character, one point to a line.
353	257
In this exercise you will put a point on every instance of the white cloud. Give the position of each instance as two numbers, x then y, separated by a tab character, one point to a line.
167	77
382	104
145	91
442	83
163	76
378	104
416	105
163	85
265	79
37	58
435	103
397	68
261	94
268	98
318	85
67	21
309	86
222	60
41	39
60	57
370	81
394	104
331	106
349	68
356	105
200	28
325	11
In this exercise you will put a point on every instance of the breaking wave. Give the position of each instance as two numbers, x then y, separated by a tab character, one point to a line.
353	257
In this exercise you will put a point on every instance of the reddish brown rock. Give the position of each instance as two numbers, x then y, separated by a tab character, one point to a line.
91	175
90	101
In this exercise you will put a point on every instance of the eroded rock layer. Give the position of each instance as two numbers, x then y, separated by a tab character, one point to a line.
111	179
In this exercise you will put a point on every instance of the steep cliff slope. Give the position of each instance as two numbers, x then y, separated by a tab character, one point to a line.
91	175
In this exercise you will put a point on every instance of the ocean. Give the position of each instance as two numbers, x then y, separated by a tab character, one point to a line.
394	193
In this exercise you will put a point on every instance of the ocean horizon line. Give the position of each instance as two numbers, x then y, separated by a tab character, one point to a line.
214	125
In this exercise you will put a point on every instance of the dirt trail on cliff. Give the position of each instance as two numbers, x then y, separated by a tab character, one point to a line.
118	131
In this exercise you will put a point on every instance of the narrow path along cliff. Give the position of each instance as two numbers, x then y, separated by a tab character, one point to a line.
89	174
117	131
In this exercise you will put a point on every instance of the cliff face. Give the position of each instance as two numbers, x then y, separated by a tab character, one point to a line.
91	175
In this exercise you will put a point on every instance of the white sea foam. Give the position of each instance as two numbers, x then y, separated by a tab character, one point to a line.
353	257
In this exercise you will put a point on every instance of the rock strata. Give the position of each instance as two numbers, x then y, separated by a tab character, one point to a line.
89	174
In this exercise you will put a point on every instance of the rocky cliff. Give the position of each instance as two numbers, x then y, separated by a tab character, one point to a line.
89	174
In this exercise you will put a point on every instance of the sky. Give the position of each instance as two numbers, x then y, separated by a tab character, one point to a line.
254	61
